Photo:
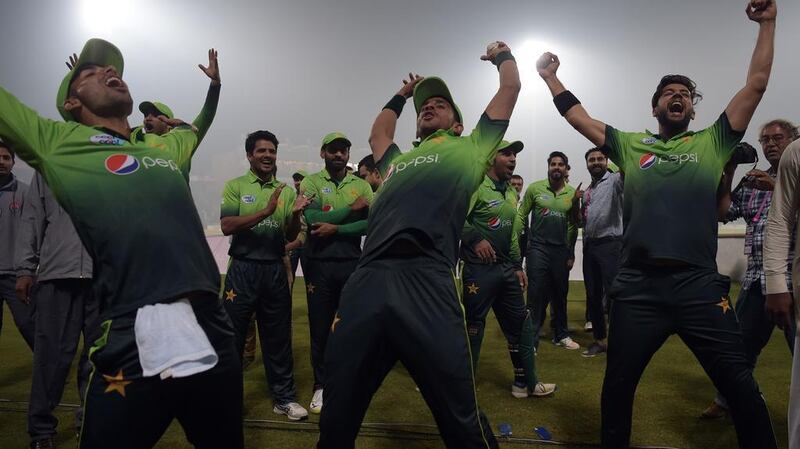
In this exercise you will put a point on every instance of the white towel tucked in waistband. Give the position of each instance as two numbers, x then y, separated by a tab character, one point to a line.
171	342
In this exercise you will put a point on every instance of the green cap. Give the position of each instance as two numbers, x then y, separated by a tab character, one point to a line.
160	108
516	146
434	87
329	138
95	52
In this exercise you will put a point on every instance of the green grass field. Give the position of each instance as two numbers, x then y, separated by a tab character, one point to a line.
673	392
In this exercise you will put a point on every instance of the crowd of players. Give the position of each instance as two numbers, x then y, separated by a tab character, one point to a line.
402	260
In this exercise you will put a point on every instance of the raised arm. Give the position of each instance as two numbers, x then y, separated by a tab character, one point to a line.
503	102
206	116
566	103
741	108
382	134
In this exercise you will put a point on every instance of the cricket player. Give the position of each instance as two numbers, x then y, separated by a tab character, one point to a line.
402	302
167	346
553	209
337	219
262	214
493	276
668	281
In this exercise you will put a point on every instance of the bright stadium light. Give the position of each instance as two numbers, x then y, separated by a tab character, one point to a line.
101	17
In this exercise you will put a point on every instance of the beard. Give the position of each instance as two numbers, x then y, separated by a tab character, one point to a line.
667	123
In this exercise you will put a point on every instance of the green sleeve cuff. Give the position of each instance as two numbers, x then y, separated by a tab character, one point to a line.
335	216
354	229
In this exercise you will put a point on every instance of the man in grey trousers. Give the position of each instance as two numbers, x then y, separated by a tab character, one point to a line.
49	249
11	201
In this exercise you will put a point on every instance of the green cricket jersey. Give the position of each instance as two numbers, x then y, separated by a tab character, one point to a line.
247	195
426	192
129	201
494	218
331	204
670	196
552	221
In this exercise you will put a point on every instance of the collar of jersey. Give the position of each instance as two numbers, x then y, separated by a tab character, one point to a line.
135	133
347	177
438	133
677	136
489	182
253	178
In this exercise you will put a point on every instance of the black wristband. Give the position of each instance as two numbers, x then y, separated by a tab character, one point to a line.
396	104
564	101
502	57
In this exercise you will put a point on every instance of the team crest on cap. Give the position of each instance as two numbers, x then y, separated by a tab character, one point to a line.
494	223
106	139
647	161
248	199
649	140
122	164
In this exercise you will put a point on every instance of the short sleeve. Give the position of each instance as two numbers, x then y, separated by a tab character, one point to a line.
616	146
486	136
388	157
725	138
230	200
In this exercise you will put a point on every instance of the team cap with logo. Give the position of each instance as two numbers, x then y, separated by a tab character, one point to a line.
430	87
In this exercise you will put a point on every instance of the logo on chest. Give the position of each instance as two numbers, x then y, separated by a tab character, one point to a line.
248	199
494	203
326	190
121	164
106	139
412	163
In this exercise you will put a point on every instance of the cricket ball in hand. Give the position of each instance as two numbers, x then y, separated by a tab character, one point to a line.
491	47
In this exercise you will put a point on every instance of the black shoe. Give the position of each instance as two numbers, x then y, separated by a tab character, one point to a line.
594	349
46	443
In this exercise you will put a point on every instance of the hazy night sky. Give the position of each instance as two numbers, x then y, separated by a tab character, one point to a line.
302	69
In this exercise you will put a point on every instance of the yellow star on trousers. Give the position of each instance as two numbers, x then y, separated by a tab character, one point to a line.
116	383
336	320
725	305
310	288
230	295
473	289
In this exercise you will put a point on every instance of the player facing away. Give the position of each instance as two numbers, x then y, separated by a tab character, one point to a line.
402	303
154	272
668	281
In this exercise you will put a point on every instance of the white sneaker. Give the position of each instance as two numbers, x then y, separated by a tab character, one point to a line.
568	343
588	326
541	390
316	402
292	410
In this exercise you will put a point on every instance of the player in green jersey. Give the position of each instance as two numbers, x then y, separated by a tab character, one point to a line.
368	171
551	251
402	302
152	110
132	208
493	277
668	281
261	215
337	219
